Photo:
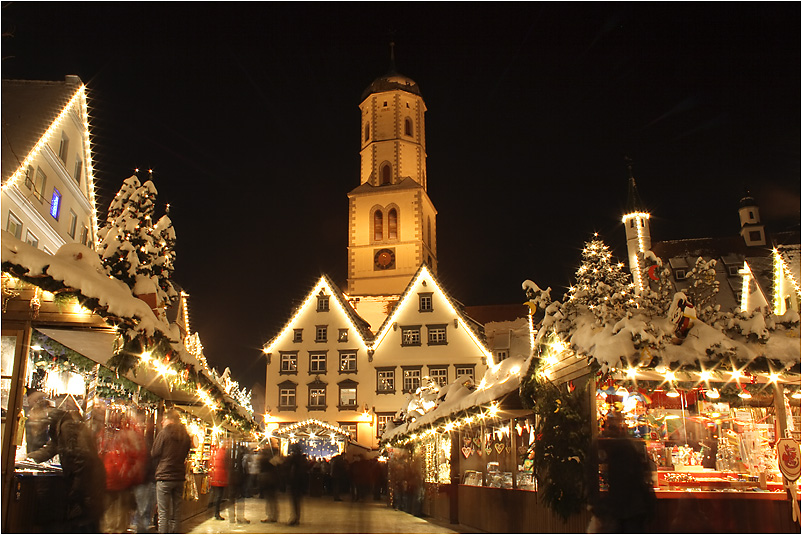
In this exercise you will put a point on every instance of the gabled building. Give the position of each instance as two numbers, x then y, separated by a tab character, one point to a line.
48	196
327	366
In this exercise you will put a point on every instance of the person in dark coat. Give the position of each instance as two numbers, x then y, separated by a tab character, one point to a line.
339	475
629	502
268	482
83	470
297	473
170	450
236	478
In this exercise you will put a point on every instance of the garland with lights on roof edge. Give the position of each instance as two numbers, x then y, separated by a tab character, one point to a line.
132	342
562	440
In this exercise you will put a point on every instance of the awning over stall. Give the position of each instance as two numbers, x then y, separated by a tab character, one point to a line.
311	428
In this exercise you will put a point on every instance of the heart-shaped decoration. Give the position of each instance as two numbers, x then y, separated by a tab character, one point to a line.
478	442
522	449
499	447
479	452
467	441
467	452
488	450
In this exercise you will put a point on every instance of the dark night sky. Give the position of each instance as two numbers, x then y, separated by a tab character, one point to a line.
248	114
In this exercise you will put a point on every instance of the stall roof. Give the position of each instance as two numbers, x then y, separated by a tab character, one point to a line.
309	427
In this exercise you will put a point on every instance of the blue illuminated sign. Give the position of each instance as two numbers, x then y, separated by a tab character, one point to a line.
55	203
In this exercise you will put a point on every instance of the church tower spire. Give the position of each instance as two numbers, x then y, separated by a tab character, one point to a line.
636	225
392	221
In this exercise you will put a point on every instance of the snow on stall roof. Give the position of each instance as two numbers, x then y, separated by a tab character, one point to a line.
79	267
498	381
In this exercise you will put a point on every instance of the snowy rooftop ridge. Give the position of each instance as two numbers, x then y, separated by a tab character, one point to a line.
497	381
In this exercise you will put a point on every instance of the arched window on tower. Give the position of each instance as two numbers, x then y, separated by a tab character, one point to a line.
378	223
386	174
408	127
367	131
392	224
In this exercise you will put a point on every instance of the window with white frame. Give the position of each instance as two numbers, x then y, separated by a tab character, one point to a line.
410	335
385	380
288	361
63	147
31	238
347	361
437	334
317	396
287	399
439	375
72	224
381	423
39	185
322	303
465	370
317	362
350	428
348	394
321	333
79	167
411	379
425	302
84	234
14	225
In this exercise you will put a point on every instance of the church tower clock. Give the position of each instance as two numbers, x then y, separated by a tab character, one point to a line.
392	221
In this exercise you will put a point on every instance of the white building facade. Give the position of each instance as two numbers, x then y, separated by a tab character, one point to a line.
48	194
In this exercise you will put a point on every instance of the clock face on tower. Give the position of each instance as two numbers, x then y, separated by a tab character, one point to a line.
384	259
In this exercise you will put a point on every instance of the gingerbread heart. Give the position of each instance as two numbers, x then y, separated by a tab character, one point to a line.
488	450
478	442
499	447
467	452
479	452
522	449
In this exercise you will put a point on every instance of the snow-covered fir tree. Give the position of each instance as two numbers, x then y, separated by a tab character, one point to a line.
703	289
132	248
602	285
658	290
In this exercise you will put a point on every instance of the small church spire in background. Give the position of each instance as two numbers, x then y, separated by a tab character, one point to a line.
392	57
634	203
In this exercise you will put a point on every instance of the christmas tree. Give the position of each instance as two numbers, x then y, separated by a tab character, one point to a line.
602	286
132	248
703	289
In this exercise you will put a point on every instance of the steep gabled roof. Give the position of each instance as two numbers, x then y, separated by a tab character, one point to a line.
361	326
29	108
473	328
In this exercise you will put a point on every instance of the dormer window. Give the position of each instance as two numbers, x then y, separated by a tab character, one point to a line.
680	274
425	302
734	271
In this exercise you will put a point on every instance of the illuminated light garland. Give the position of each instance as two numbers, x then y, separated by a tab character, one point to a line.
322	284
424	273
639	217
781	273
747	276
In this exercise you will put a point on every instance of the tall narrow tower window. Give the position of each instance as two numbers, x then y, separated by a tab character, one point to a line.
378	223
392	224
367	131
429	231
407	126
387	174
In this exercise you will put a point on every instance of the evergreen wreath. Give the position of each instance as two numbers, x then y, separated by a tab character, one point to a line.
562	442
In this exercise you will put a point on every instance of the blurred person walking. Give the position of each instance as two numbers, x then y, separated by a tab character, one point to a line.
170	450
218	476
145	492
82	468
268	482
297	472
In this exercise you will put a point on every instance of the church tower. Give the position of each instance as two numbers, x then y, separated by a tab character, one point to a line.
752	230
636	223
392	221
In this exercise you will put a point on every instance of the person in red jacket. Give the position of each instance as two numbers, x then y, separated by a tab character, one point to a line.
218	476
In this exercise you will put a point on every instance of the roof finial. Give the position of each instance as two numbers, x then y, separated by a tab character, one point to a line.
392	56
629	163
